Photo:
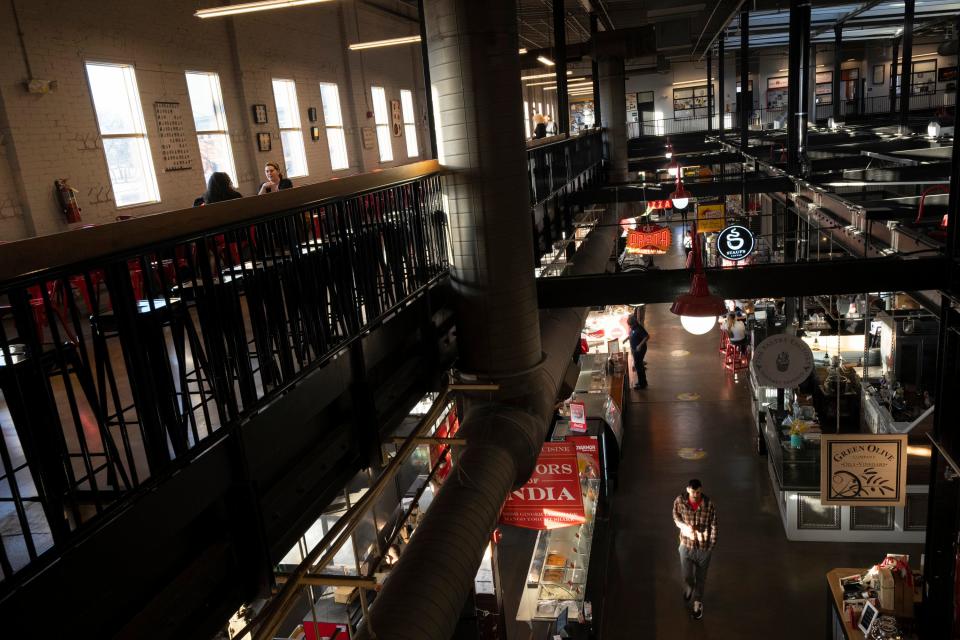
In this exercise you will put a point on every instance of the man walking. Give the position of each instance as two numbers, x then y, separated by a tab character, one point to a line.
638	347
696	518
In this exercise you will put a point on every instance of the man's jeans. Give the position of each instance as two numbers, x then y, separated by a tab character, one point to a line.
693	569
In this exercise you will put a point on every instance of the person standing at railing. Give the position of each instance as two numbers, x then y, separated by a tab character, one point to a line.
540	130
219	188
275	180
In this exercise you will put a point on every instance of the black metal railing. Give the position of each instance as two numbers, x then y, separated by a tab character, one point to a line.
552	164
119	365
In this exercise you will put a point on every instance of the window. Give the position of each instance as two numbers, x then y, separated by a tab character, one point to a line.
526	117
288	117
333	119
383	123
120	117
409	124
210	120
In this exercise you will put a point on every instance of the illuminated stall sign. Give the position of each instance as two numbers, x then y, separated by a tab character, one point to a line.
735	242
552	497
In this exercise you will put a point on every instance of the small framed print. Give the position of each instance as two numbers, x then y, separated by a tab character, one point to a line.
263	142
260	114
314	133
878	74
312	114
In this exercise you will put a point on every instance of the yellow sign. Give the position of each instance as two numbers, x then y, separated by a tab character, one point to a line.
858	469
710	218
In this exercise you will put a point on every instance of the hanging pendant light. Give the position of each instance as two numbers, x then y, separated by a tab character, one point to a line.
680	196
698	309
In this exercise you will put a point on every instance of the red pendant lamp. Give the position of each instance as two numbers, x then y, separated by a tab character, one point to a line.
698	309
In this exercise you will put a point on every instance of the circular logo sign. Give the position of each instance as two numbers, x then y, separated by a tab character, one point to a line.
735	242
782	361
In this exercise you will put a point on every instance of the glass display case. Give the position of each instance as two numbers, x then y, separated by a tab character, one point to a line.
557	576
796	464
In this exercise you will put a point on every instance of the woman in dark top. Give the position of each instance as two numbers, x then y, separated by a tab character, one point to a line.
219	188
275	180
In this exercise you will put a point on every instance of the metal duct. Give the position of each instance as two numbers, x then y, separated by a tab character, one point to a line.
424	596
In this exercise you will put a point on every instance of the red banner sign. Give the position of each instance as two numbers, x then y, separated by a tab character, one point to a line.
447	428
551	498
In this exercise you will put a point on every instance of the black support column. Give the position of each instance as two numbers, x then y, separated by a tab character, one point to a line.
560	58
807	107
794	88
710	90
595	70
721	108
906	69
427	88
837	58
744	80
893	76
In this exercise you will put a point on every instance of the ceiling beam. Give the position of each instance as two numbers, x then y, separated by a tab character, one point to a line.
636	193
829	277
849	16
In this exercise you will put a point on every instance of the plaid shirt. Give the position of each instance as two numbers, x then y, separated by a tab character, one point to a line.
703	519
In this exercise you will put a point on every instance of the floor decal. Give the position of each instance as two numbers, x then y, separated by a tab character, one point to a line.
688	396
688	453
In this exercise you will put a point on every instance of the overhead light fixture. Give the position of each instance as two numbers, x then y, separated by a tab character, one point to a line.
543	75
698	309
250	7
546	61
690	81
384	43
547	83
523	50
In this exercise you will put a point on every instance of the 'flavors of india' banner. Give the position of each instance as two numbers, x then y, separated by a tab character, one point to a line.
552	497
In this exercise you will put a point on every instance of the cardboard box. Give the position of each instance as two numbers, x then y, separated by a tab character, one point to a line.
887	590
343	595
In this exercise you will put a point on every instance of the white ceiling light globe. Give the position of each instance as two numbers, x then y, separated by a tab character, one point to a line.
698	325
680	203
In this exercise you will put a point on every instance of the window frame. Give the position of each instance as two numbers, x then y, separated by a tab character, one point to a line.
382	126
409	126
220	109
139	119
295	111
339	127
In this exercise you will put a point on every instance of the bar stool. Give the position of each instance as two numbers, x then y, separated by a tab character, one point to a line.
737	357
724	341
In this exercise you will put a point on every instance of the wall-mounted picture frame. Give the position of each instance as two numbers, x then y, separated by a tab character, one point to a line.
260	114
878	74
947	74
263	142
312	114
314	133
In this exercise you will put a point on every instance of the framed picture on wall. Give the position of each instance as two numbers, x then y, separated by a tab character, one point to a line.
263	142
312	114
260	114
878	74
314	133
947	74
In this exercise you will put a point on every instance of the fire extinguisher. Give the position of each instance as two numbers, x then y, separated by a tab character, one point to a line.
67	196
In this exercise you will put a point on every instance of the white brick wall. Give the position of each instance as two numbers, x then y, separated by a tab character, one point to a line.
44	137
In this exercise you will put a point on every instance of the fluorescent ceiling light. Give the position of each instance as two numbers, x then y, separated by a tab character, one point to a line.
250	7
691	81
546	61
543	75
523	50
384	43
922	55
551	82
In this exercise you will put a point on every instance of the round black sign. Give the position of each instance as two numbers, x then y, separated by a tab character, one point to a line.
735	242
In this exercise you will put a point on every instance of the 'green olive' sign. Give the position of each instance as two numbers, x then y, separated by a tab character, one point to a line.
863	469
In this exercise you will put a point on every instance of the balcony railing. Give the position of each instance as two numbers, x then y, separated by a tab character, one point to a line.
129	348
552	163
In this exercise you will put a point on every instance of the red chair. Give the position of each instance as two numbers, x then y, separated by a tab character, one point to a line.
724	341
39	309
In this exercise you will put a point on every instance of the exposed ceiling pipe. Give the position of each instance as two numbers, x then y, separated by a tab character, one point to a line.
734	12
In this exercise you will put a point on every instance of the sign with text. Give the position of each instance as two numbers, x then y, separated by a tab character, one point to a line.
578	417
863	469
735	242
588	455
710	218
782	361
552	497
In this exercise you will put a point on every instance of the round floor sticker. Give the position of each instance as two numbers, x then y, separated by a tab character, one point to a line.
688	396
679	353
689	453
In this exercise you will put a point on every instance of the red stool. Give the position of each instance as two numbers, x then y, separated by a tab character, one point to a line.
736	358
724	341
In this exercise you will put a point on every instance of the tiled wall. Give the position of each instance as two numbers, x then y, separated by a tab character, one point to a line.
55	135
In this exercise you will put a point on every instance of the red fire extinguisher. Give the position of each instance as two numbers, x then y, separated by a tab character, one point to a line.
67	196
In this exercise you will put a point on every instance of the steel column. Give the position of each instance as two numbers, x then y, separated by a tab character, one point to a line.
806	94
906	68
560	66
594	70
794	86
709	90
744	80
893	76
837	58
613	101
721	62
427	89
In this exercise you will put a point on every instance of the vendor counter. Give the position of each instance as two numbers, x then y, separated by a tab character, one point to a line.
841	625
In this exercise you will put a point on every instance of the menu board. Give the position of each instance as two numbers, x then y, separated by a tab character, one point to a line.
633	114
